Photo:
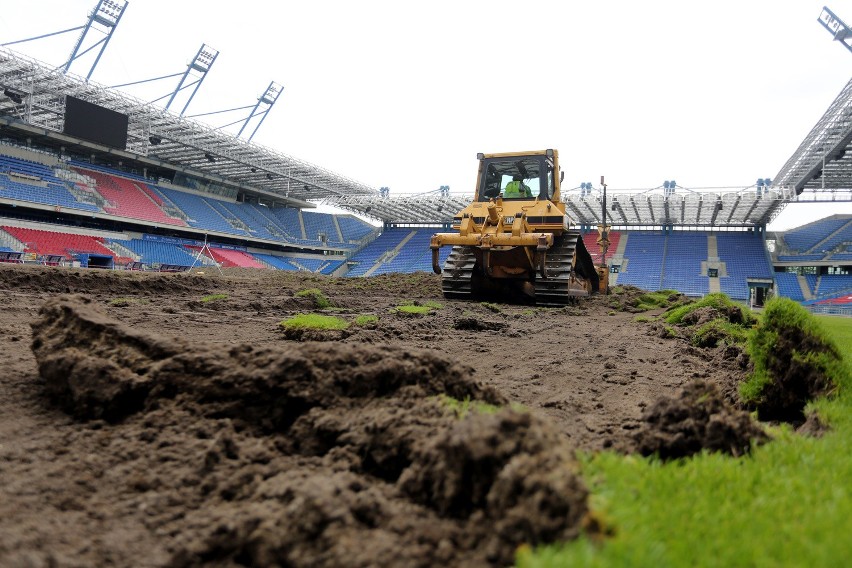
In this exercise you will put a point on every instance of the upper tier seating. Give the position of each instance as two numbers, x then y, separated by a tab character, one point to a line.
128	199
317	224
353	229
56	193
199	212
808	236
799	257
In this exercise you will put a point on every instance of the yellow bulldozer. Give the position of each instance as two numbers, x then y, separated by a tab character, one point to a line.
515	241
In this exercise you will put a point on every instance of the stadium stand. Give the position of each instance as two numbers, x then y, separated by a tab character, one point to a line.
126	198
644	260
372	254
744	255
590	239
156	254
232	258
807	237
318	225
275	261
682	264
353	229
413	256
833	284
200	214
51	243
25	180
787	285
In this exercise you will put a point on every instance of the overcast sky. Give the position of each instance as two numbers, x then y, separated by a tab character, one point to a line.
404	94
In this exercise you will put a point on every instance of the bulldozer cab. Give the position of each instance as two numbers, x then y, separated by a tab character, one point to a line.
527	177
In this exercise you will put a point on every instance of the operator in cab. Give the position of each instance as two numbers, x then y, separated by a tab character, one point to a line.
517	188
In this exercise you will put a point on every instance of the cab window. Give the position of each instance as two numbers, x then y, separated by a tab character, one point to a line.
518	178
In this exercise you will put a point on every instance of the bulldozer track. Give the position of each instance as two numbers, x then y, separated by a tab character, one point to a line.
555	290
457	276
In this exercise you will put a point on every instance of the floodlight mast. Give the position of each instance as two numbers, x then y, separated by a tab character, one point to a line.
201	63
273	91
835	25
106	14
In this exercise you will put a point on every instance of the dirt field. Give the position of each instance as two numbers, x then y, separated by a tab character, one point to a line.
145	427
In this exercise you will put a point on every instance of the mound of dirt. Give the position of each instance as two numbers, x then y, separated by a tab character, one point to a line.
697	419
303	455
799	366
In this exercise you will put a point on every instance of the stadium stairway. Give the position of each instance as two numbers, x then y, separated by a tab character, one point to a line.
390	255
714	285
618	257
805	287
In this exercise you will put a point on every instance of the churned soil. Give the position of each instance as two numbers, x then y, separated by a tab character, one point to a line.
168	419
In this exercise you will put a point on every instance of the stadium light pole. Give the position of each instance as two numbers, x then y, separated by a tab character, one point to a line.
835	25
107	14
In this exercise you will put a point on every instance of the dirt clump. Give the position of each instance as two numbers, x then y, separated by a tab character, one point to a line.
697	419
301	455
477	324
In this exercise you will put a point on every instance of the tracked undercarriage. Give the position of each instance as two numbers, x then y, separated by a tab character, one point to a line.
515	242
569	274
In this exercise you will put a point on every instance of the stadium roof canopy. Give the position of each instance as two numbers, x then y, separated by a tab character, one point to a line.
34	103
705	209
822	165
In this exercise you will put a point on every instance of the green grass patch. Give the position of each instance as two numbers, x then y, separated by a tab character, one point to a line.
413	310
788	504
643	319
415	307
320	300
464	407
366	320
719	331
715	300
655	300
315	321
788	330
214	298
496	308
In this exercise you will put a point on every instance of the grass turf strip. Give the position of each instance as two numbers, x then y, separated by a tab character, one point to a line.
788	504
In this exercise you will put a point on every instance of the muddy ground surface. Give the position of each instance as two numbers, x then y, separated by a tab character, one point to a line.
144	426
